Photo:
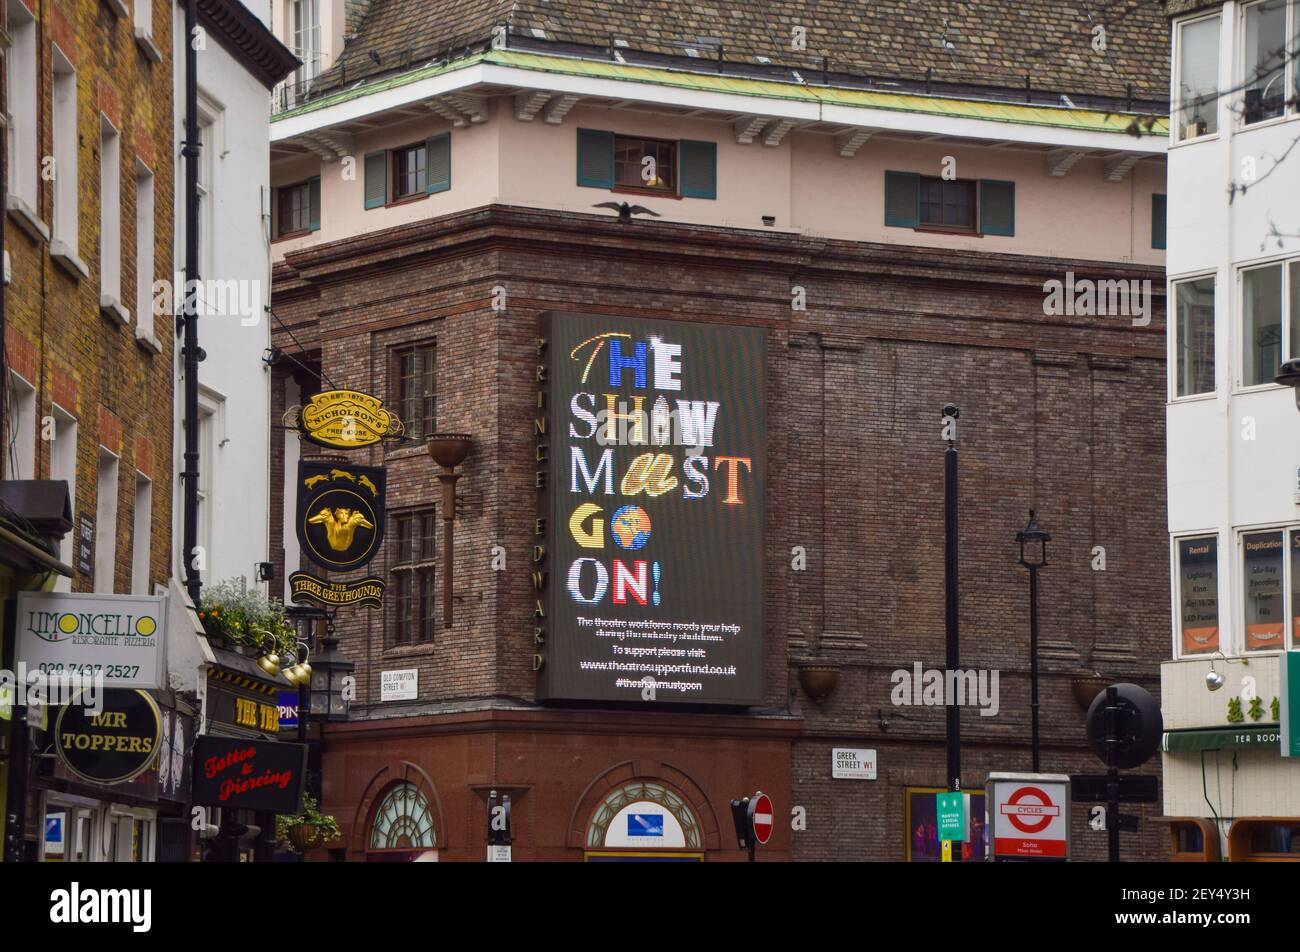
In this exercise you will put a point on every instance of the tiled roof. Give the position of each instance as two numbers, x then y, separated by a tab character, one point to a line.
991	43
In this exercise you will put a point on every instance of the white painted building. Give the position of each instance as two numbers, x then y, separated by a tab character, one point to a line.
1233	435
239	62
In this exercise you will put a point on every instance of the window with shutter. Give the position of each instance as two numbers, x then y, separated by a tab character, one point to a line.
1159	211
313	189
376	179
997	208
902	199
699	164
595	158
438	150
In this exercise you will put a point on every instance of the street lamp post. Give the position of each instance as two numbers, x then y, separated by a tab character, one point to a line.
1033	556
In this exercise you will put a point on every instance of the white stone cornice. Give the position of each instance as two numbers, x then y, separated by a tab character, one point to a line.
558	108
1118	167
774	133
1062	160
848	143
529	104
748	128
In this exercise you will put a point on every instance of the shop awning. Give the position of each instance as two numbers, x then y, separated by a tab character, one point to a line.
1218	738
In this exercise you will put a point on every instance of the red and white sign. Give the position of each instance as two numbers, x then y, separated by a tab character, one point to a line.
1030	819
760	817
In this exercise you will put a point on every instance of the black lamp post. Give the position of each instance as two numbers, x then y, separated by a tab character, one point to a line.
1033	556
330	672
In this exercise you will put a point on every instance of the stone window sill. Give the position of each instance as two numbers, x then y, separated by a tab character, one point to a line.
147	45
146	339
26	218
67	259
112	308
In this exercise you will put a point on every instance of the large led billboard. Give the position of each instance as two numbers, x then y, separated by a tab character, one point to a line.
648	565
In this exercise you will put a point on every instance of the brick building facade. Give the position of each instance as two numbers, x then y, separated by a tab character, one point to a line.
1061	413
105	369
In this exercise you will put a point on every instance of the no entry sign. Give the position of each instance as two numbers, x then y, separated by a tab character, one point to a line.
1029	815
760	817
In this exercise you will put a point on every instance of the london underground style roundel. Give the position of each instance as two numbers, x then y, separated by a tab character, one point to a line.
340	517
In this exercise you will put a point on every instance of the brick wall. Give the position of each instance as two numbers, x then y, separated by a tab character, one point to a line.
1060	413
119	390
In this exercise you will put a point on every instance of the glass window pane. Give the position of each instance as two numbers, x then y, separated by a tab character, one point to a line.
1264	62
1194	340
1293	281
1262	317
1295	589
1262	578
1198	78
1198	591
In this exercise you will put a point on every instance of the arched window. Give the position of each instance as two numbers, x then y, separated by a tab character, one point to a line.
403	821
643	816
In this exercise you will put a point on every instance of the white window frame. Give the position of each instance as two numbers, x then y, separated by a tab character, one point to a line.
1171	362
110	221
63	465
1289	67
21	407
145	249
107	490
65	234
74	809
1289	640
1175	86
22	69
141	534
1239	328
306	39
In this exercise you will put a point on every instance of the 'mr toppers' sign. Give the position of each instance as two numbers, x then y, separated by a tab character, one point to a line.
648	563
118	637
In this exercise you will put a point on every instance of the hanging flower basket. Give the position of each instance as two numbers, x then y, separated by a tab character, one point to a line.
304	836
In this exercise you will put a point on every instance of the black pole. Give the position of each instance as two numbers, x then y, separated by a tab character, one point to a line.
1033	661
190	350
951	636
1112	776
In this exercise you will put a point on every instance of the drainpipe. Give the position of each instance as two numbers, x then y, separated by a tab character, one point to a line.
190	349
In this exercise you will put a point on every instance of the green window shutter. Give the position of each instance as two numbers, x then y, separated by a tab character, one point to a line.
376	179
698	162
313	190
997	208
1159	210
902	199
595	158
437	153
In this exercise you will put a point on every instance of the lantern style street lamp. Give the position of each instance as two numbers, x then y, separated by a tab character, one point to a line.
1033	556
329	673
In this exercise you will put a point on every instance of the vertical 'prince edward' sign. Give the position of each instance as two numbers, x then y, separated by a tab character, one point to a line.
648	566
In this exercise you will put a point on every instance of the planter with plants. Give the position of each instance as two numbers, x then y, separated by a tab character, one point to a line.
307	830
240	617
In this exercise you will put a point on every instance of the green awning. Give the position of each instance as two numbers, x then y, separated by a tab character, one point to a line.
1218	738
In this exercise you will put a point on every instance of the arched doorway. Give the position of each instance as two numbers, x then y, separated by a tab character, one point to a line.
402	827
643	821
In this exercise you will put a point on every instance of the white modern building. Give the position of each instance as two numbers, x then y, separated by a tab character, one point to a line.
1233	434
239	62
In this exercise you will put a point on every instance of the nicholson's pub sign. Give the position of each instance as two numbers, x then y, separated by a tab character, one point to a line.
347	419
